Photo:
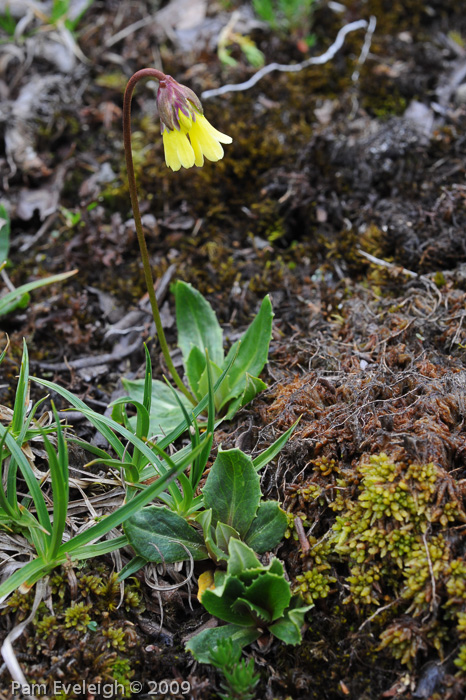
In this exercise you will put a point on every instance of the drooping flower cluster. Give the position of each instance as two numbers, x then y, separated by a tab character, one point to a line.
187	135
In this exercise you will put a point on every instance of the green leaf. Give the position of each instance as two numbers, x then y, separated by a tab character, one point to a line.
241	558
17	294
253	350
132	567
165	412
142	426
267	528
98	549
201	645
267	455
253	387
232	490
30	479
200	464
270	592
255	610
204	518
197	324
288	629
223	389
59	473
223	534
219	602
159	526
5	349
5	229
7	22
194	366
94	418
147	394
20	576
22	394
79	542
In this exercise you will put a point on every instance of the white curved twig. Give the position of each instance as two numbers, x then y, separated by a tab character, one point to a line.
312	61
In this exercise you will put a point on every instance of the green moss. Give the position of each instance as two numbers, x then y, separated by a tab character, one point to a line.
388	547
460	660
122	674
77	616
86	630
314	584
115	637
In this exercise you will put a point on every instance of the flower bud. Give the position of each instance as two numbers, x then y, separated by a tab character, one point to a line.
173	98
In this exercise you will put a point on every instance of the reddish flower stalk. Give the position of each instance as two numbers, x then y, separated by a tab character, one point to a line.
146	73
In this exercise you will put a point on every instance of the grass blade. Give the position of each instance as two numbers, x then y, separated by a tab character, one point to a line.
126	511
59	474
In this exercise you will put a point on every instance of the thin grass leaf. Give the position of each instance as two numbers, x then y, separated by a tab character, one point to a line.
158	466
267	455
5	230
184	502
87	447
24	435
7	346
131	473
9	301
132	567
28	571
11	482
204	456
30	479
119	516
37	537
201	406
148	452
10	509
94	418
21	398
100	548
59	474
142	422
147	400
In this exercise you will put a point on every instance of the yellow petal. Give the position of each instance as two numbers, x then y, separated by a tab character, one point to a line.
205	581
184	150
198	155
205	142
171	153
178	150
185	122
207	126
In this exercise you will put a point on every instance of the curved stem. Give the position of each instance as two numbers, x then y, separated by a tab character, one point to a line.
146	73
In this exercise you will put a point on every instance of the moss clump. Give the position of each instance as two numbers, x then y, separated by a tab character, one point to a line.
115	637
460	660
87	630
77	616
314	584
389	546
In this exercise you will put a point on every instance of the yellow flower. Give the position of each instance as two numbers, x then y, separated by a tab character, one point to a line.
188	137
205	582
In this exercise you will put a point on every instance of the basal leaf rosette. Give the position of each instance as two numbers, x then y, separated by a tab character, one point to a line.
253	598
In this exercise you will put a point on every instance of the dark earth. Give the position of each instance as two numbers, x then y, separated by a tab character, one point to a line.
344	197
